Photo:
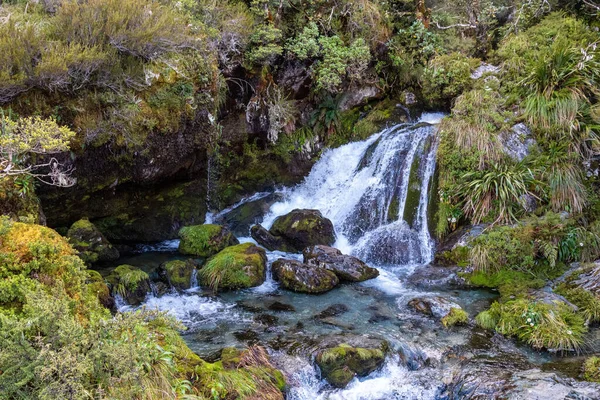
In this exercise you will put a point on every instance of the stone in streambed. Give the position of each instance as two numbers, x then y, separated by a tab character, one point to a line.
333	311
129	282
339	365
446	311
295	231
296	276
205	240
347	268
235	267
90	243
278	306
178	273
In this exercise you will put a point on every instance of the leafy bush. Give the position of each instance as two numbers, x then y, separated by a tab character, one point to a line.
446	77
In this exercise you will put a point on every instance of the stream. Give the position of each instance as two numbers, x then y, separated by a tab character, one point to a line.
376	192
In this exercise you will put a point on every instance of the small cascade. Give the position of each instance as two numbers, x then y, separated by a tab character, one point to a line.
376	193
194	279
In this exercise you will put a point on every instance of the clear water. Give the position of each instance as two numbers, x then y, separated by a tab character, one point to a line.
356	186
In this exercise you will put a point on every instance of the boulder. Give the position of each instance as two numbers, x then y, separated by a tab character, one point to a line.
178	273
299	277
339	365
205	240
129	282
90	243
347	268
517	141
235	267
295	231
444	310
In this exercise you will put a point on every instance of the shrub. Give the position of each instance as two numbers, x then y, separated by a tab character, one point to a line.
446	77
550	326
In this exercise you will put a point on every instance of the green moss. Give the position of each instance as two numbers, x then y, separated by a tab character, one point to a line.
456	316
551	326
340	364
414	192
591	369
205	240
235	267
587	303
129	282
179	273
90	243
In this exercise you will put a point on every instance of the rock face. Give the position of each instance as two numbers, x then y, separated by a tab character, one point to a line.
205	240
293	275
517	141
129	282
446	311
295	231
90	243
347	268
235	267
339	365
178	273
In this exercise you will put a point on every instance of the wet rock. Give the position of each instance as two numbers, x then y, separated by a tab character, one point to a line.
303	228
435	276
97	285
337	323
240	219
268	240
90	243
333	311
347	268
412	358
355	96
339	365
248	306
248	336
235	267
589	278
278	306
293	275
266	319
129	282
444	310
205	240
160	288
517	141
178	273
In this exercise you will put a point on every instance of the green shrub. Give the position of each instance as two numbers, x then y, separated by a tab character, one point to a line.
550	326
446	77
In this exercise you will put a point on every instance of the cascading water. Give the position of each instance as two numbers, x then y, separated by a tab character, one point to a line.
376	194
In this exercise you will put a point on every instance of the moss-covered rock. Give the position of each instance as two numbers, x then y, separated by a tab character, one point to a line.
302	228
90	243
446	311
246	374
339	365
97	285
129	282
591	369
205	240
178	273
293	275
347	268
235	267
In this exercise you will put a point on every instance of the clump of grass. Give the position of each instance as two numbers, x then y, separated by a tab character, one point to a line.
550	326
456	316
591	369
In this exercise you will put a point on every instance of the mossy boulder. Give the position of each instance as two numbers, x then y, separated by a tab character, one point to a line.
296	230
205	240
299	277
444	310
591	369
98	286
178	273
347	268
235	267
339	365
129	282
90	243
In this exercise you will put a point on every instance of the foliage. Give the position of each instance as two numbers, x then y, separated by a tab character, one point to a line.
264	45
497	193
24	140
587	303
456	316
591	369
446	77
551	326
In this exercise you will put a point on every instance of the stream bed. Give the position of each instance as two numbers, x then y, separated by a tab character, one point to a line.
376	193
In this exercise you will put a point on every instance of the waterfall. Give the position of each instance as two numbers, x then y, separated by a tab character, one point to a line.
376	193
